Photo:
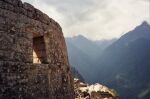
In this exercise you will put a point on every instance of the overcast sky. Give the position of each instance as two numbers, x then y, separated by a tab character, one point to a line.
95	19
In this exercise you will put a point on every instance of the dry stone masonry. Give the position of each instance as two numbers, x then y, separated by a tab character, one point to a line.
33	56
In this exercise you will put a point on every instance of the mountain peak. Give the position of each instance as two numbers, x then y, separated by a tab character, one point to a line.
141	31
144	27
79	36
145	23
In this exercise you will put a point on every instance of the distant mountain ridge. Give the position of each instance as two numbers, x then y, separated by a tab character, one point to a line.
78	59
83	53
126	63
122	64
105	43
141	31
87	46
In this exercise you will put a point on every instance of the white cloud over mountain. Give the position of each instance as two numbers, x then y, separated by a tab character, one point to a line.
95	19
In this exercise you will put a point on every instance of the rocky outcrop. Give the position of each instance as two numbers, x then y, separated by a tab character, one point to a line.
33	56
96	91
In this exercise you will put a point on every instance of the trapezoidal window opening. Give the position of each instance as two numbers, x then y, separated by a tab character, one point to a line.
39	50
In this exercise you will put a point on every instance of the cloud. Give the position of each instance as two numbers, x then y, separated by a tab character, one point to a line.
95	19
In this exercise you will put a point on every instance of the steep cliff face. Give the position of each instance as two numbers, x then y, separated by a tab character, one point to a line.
33	56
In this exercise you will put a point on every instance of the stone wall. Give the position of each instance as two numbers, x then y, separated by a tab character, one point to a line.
20	78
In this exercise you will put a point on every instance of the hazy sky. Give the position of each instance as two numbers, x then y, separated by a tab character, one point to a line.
95	19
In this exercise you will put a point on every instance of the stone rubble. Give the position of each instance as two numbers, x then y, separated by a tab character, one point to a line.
96	91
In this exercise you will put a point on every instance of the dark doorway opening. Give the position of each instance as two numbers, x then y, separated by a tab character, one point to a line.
39	50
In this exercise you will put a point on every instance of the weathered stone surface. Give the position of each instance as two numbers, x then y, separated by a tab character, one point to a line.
20	78
13	2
